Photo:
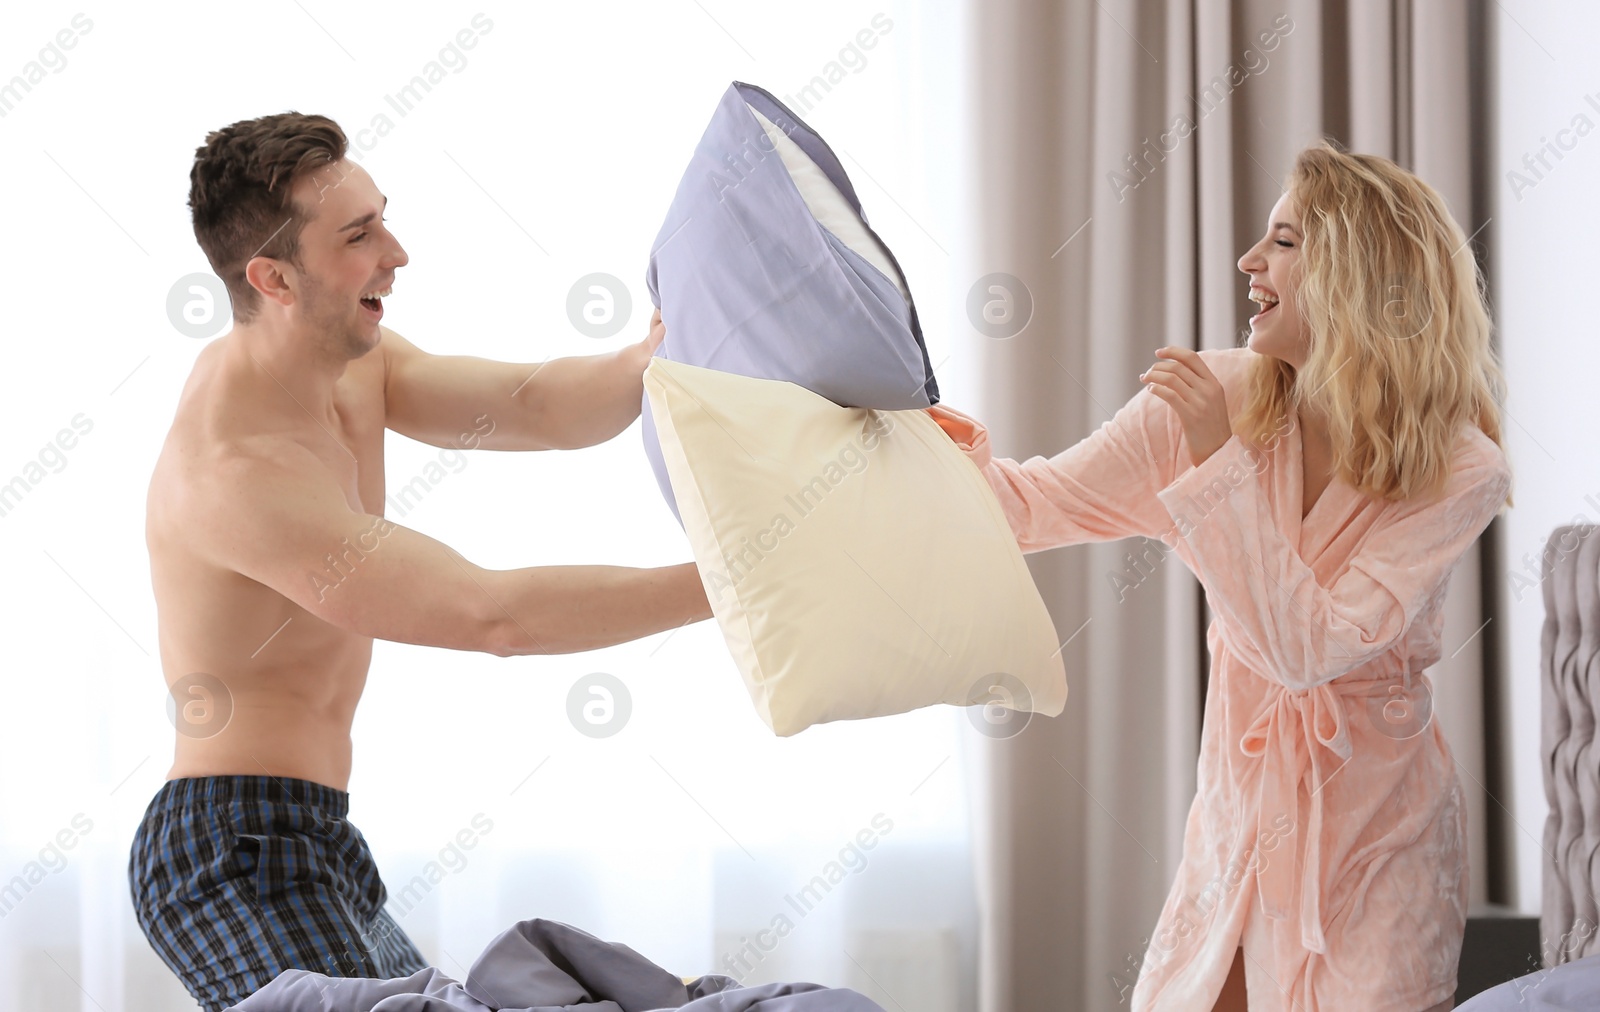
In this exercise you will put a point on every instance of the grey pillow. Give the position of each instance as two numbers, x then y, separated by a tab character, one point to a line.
766	267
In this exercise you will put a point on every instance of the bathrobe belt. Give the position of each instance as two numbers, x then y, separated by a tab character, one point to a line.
1304	735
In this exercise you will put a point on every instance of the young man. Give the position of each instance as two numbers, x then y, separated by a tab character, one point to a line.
274	571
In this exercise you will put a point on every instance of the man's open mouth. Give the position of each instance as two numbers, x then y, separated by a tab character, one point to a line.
373	302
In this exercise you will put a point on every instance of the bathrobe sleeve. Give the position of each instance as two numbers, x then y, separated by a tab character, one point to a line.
1101	489
1275	615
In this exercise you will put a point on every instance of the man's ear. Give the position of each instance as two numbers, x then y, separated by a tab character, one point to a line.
266	276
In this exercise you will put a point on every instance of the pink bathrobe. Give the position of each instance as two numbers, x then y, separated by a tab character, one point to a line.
1327	835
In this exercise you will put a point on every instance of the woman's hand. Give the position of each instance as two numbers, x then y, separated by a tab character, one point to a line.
1182	379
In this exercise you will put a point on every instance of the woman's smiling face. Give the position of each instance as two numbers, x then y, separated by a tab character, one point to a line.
1272	266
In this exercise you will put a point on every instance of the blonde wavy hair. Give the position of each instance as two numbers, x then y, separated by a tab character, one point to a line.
1394	307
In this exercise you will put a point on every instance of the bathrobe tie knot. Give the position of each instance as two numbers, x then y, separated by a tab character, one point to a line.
1303	735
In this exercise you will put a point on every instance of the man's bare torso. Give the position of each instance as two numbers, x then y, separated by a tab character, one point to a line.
288	682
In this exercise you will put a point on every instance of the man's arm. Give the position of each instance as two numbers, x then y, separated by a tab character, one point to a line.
559	404
265	516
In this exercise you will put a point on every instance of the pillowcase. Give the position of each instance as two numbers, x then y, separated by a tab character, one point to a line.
856	560
766	267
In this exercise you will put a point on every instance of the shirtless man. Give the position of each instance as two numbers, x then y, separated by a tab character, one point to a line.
274	571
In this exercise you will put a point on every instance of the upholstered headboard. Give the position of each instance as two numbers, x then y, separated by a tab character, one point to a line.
1570	687
1566	966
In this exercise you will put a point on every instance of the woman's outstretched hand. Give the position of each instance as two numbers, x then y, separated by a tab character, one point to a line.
1182	379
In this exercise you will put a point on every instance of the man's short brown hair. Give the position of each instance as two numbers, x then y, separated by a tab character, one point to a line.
240	189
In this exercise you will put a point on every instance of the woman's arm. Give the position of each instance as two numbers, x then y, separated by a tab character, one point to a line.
1276	617
1101	489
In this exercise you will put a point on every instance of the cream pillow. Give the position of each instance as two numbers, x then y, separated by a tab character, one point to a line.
855	559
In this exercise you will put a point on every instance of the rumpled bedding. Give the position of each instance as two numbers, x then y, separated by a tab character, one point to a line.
547	966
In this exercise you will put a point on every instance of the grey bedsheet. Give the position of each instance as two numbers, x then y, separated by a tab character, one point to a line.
547	966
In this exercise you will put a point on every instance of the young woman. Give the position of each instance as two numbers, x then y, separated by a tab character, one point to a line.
1322	483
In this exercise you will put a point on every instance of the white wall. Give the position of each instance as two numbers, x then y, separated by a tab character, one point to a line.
1546	260
549	153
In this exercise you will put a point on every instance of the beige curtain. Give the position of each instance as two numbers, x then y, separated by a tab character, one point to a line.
1126	240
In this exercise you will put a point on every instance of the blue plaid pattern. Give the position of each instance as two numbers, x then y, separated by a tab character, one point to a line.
238	878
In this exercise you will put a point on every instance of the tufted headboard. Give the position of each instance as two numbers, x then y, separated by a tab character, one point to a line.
1570	689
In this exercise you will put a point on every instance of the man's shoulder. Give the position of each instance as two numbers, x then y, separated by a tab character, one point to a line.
202	473
227	423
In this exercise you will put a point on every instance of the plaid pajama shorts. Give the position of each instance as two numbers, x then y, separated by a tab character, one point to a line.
237	878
